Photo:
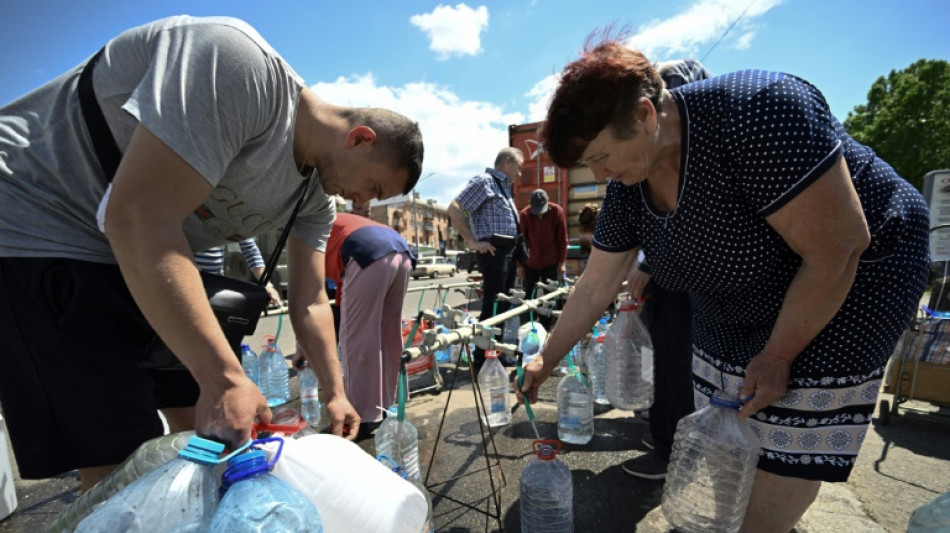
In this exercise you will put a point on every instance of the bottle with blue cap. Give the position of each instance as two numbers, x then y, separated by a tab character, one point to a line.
712	468
179	496
252	364
275	376
255	500
396	437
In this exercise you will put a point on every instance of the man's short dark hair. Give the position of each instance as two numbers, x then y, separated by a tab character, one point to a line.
398	139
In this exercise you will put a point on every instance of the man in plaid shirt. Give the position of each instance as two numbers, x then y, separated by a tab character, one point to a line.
491	211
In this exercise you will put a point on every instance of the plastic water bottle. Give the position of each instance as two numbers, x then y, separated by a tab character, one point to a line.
629	355
445	354
251	364
572	357
575	409
712	468
510	334
149	456
602	326
933	517
597	367
179	496
398	440
530	345
275	378
547	492
309	394
257	501
493	385
339	356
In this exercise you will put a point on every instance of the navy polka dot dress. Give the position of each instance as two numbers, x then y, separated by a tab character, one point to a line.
751	141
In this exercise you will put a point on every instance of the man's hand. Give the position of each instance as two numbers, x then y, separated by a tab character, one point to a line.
226	410
483	247
344	420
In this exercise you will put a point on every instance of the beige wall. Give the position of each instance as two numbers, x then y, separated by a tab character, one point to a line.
423	224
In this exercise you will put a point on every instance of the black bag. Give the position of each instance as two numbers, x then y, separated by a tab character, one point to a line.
236	304
521	252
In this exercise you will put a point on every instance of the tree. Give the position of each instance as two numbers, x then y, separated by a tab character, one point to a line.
907	119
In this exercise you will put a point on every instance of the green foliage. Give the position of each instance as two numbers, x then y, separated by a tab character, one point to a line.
907	119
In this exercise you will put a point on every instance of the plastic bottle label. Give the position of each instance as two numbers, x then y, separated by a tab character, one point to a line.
569	423
497	397
646	364
309	394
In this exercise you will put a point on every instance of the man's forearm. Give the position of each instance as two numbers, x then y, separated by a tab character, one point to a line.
315	334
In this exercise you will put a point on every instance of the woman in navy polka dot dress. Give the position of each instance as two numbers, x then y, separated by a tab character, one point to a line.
805	254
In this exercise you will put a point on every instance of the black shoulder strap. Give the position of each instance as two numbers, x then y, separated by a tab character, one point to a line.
107	151
501	186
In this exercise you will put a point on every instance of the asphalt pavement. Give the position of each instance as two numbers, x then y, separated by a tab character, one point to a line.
902	465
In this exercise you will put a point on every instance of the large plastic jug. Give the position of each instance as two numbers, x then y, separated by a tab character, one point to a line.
256	501
712	468
629	355
547	492
178	497
353	491
149	456
932	517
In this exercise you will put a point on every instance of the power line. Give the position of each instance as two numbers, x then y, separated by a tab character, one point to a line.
723	36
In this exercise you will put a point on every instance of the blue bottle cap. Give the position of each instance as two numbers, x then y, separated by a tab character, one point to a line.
244	466
202	451
717	401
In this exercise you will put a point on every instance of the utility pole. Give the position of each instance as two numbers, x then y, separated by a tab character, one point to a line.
415	219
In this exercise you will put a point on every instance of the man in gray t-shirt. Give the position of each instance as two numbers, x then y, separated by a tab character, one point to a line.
218	135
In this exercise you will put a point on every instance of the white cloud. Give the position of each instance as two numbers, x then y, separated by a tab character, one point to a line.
540	96
461	137
453	31
685	34
691	32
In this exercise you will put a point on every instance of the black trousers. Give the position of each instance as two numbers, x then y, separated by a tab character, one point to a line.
531	277
498	276
668	317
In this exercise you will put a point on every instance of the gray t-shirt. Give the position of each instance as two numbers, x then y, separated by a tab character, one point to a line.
211	89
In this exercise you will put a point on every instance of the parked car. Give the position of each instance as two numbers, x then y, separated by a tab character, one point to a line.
433	266
467	262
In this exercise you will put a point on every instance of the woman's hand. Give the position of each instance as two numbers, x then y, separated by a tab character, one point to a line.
535	373
766	379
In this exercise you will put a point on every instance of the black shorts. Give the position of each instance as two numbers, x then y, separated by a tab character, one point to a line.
72	387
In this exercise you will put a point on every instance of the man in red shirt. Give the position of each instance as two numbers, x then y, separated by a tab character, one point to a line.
545	228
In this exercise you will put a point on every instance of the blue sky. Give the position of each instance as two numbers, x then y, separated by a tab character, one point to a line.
466	71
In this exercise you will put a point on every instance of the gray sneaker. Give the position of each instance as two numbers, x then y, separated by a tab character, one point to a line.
646	466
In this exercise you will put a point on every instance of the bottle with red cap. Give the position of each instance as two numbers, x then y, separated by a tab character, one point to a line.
547	491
